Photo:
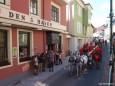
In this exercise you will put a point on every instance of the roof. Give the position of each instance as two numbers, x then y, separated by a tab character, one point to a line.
86	4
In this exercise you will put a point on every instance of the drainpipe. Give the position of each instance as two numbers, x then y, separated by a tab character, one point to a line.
43	31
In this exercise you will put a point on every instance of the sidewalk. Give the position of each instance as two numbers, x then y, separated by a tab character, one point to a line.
42	77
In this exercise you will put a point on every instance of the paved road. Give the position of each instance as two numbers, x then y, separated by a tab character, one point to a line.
92	78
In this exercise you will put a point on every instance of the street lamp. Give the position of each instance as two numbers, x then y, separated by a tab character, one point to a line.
111	63
111	18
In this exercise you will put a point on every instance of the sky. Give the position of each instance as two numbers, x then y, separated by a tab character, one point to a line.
101	10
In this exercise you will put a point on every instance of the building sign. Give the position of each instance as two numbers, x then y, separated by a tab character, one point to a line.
10	14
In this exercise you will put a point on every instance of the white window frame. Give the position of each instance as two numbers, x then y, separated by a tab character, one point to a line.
89	17
6	4
9	44
34	10
72	10
38	15
52	3
88	31
79	27
31	44
79	10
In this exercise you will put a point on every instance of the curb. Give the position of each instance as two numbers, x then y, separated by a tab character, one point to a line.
42	81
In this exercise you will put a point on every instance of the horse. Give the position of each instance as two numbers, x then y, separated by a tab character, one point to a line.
82	64
74	64
79	63
71	64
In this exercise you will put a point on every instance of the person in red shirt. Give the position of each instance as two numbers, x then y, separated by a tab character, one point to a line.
93	55
85	48
99	50
100	46
90	48
97	59
84	45
81	51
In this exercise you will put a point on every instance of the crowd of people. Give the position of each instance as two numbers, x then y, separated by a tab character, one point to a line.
45	60
94	50
50	58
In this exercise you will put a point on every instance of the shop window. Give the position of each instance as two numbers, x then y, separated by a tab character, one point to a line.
55	14
33	7
24	46
2	1
3	48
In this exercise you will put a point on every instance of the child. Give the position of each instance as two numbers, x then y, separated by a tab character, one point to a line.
60	58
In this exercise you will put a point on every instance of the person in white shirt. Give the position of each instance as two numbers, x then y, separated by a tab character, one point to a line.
35	64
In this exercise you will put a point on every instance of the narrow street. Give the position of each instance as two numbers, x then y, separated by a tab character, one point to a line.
92	78
36	34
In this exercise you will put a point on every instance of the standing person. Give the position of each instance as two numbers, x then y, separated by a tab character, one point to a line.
99	50
44	58
85	50
81	51
91	52
60	57
51	60
57	57
35	64
97	60
40	62
90	48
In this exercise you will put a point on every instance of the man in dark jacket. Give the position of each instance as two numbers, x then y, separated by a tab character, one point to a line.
40	62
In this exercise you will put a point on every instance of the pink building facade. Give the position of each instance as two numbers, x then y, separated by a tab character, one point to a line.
29	26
